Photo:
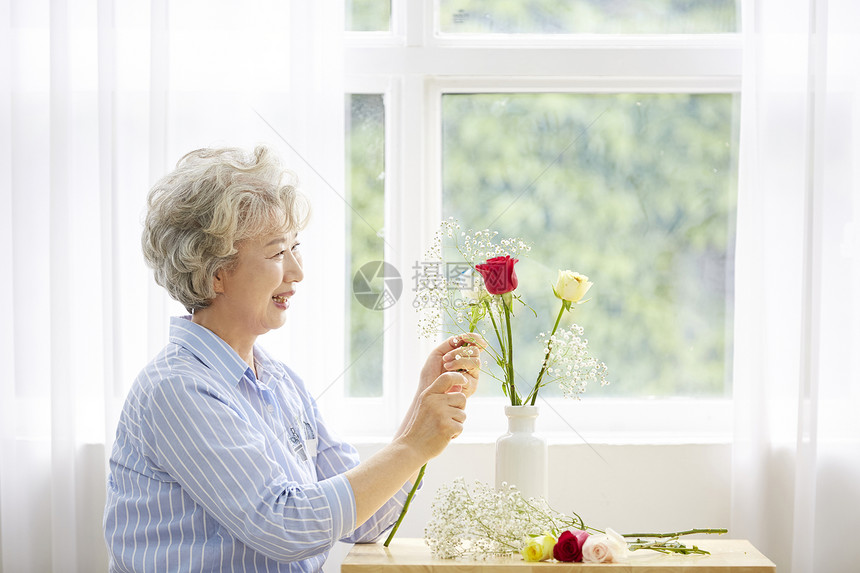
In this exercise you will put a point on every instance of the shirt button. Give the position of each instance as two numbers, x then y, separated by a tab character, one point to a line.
271	409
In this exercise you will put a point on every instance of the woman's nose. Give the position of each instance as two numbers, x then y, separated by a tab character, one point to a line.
293	267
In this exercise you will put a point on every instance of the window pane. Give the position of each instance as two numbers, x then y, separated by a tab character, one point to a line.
368	15
637	191
365	178
588	16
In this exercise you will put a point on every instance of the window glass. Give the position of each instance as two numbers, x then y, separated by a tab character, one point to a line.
636	191
365	178
588	16
368	15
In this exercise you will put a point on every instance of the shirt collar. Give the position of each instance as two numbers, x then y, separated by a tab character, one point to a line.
270	370
207	347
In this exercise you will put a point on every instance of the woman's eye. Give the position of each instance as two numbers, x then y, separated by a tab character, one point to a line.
296	247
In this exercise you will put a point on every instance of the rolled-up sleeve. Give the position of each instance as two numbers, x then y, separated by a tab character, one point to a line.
381	521
335	457
226	465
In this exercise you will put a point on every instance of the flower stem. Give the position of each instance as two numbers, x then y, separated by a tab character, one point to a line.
677	533
502	347
406	505
534	392
515	398
414	485
668	546
501	358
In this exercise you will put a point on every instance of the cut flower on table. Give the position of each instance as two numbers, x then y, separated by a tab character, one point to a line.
568	548
608	547
575	545
539	548
479	521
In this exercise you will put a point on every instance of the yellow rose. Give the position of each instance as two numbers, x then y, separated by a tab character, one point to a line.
571	286
539	548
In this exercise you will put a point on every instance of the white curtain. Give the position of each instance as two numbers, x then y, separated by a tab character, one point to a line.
99	99
796	462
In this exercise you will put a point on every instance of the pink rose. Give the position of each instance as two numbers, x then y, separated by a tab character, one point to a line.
608	548
569	545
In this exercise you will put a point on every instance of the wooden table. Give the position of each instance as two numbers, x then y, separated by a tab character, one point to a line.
413	556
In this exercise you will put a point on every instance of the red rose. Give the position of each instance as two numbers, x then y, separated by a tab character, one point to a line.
569	546
499	275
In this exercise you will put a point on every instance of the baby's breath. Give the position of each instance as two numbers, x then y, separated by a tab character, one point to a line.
464	300
479	521
570	363
446	296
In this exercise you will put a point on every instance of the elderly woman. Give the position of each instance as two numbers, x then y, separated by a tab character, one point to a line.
222	461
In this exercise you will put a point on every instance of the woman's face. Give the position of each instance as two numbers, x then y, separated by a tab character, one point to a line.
253	296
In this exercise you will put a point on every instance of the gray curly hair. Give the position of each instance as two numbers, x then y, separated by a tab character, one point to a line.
213	200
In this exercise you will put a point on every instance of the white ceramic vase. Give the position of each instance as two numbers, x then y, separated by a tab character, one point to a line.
521	457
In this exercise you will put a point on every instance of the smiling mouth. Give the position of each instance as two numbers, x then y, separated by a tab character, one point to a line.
280	299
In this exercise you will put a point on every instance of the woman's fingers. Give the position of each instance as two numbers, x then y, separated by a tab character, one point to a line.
465	353
467	339
445	382
462	359
441	414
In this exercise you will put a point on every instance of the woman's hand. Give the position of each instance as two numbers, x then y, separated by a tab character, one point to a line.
439	416
435	419
461	353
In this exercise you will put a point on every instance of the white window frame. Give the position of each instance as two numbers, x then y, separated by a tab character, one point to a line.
413	66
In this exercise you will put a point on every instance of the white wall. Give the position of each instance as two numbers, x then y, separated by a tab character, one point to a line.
626	487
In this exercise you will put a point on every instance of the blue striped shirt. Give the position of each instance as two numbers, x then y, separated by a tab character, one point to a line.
215	470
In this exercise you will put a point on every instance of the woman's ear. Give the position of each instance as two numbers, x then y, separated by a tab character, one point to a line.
218	281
